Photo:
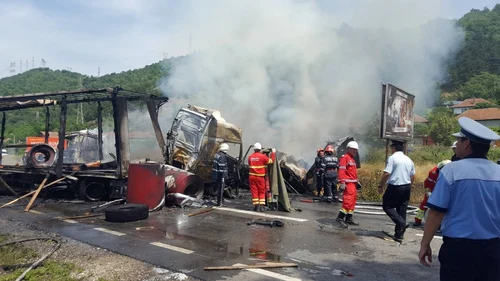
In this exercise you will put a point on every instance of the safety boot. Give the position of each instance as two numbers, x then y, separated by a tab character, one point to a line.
256	208
340	220
349	220
262	208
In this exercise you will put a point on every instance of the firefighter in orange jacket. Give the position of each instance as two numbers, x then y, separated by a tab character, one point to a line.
429	185
348	178
257	163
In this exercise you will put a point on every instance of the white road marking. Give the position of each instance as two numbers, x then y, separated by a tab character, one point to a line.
36	212
421	235
110	231
173	248
259	214
269	273
70	221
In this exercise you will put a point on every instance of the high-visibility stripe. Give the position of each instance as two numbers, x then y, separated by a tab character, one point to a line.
431	180
342	167
257	167
351	180
258	175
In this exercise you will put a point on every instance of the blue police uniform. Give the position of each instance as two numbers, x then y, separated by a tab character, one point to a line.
468	192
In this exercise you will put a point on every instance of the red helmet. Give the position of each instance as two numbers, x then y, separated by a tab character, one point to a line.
329	148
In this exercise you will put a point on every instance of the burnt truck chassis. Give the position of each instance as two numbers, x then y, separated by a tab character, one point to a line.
91	182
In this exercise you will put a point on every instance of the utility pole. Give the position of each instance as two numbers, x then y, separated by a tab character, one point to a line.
98	71
27	65
12	67
42	63
32	62
20	66
79	113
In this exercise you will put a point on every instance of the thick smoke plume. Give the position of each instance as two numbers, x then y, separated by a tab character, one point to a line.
293	76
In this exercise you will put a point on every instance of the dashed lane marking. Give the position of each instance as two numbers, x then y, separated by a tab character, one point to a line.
109	231
36	212
259	214
269	273
421	235
173	248
70	221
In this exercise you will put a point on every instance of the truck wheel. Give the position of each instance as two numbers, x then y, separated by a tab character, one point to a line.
92	191
126	213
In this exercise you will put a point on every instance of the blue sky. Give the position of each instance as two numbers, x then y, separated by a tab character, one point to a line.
118	35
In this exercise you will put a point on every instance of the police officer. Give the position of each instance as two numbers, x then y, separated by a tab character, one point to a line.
219	171
399	174
319	163
331	173
471	233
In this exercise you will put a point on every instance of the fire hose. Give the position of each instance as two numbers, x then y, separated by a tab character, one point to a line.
36	263
373	208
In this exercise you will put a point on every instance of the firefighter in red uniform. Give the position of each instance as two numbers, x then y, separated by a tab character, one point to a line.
257	163
348	178
429	184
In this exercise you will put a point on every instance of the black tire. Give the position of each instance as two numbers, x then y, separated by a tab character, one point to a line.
92	191
126	213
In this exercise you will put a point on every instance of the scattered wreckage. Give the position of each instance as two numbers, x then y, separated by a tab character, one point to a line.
77	166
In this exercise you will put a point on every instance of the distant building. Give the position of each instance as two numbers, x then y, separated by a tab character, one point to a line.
467	105
489	117
421	140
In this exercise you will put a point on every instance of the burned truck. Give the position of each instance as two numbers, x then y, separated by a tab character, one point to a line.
193	141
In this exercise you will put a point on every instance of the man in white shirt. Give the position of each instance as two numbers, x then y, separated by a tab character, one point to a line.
399	174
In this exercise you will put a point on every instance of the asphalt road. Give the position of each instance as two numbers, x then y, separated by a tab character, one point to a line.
310	238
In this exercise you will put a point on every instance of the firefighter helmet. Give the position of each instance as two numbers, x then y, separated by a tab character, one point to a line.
442	163
257	145
329	148
352	144
224	147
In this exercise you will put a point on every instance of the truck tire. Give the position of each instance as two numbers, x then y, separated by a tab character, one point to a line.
92	191
126	213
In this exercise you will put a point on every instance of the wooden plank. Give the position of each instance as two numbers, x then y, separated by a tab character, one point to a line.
4	184
261	265
201	212
79	217
40	187
28	194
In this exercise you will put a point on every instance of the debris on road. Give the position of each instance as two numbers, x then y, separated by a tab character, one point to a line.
201	212
267	223
338	272
257	265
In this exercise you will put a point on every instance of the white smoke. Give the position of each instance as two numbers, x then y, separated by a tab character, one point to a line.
292	76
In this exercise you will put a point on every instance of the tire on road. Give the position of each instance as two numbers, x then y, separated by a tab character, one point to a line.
126	213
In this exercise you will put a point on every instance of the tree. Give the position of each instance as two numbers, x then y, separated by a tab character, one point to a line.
484	85
421	129
442	124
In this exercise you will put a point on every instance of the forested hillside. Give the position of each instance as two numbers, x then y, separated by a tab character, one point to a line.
475	71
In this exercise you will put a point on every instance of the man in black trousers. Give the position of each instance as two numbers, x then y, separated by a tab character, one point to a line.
399	174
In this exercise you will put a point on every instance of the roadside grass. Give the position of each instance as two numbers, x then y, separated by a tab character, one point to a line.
369	176
21	257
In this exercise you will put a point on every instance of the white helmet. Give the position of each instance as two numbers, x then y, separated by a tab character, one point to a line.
352	144
442	163
454	145
257	145
224	147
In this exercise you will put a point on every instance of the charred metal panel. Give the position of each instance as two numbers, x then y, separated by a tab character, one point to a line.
122	145
47	124
2	135
153	114
62	133
99	130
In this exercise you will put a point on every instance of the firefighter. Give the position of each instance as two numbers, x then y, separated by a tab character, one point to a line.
320	170
331	163
429	184
348	178
257	163
219	171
